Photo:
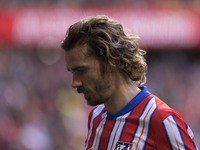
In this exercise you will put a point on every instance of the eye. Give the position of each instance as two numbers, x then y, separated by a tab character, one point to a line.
81	71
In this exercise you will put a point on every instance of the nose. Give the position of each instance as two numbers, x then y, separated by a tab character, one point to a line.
76	82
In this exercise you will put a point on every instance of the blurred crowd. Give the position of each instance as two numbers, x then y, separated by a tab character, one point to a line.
103	2
40	111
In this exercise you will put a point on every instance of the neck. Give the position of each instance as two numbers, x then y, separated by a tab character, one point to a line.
123	94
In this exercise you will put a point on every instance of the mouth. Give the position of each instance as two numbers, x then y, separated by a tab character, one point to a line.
81	90
84	92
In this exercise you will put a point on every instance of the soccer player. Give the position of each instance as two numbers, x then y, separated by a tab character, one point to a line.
109	68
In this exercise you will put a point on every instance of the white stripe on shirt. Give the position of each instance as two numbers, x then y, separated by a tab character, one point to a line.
98	133
173	133
143	128
95	113
117	130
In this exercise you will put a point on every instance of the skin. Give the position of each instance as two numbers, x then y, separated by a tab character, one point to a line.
110	89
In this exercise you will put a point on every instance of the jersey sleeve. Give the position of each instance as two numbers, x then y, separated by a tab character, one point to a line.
171	131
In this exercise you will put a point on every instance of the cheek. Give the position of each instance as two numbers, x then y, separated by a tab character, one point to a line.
91	78
96	82
89	81
103	86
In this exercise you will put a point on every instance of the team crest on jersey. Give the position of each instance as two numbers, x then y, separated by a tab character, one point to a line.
123	146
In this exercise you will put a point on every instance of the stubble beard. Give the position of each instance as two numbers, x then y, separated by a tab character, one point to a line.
100	94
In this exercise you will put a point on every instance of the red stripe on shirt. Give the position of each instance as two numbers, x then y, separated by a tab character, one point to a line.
106	134
96	122
132	121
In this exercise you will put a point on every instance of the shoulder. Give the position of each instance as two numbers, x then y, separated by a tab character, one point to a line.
171	126
163	110
164	114
95	115
96	111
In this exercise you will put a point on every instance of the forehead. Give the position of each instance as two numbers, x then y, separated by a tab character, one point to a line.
78	56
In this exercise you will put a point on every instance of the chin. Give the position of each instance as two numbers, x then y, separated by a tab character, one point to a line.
95	102
91	102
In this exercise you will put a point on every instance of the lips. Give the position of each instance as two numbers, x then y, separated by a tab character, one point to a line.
84	91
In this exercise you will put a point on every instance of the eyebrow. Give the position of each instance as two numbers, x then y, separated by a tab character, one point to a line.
75	68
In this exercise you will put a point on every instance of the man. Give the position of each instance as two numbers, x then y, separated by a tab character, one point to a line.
109	68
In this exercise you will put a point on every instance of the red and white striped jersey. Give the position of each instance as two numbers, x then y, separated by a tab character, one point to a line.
145	123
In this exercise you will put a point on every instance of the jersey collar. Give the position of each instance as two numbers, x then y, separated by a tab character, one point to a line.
132	104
